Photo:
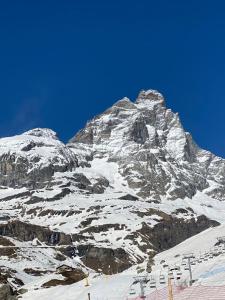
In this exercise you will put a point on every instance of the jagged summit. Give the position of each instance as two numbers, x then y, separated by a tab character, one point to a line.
150	96
125	103
147	139
42	132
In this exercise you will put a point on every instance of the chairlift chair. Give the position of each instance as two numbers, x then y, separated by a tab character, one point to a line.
170	274
179	273
162	279
132	292
152	285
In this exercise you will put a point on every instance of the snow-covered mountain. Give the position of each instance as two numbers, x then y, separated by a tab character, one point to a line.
155	156
131	184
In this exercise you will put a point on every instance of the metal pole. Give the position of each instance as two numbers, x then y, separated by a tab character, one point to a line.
89	296
142	289
190	271
189	257
170	290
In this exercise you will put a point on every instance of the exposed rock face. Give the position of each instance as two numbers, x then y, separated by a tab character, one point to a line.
106	260
28	232
171	231
31	159
147	139
6	293
71	276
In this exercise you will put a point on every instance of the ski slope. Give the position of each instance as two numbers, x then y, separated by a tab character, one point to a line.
209	276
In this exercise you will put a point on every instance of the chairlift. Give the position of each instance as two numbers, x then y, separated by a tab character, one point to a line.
152	285
179	273
170	274
162	279
165	266
186	267
132	292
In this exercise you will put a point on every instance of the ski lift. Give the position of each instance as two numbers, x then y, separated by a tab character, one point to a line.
165	266
170	274
193	263
176	268
179	273
152	284
132	292
186	267
162	279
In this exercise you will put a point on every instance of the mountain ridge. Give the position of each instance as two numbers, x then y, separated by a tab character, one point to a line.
128	185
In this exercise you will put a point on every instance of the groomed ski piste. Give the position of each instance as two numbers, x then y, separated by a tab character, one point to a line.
207	252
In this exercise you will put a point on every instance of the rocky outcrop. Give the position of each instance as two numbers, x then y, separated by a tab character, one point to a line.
71	275
106	260
171	231
31	159
6	293
28	232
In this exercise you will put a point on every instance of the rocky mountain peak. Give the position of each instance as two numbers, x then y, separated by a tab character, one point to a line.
42	132
125	103
150	97
149	140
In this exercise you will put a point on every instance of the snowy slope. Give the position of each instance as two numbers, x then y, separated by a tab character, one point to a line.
206	273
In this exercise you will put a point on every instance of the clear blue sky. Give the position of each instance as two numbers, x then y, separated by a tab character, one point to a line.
62	62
